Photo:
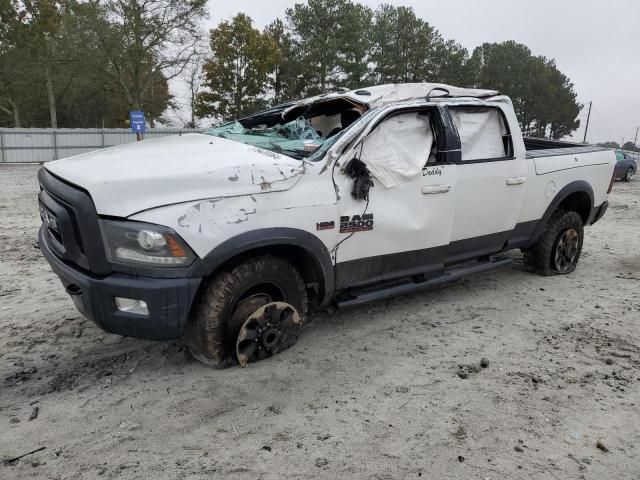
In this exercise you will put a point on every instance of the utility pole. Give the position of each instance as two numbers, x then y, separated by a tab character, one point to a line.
635	140
586	129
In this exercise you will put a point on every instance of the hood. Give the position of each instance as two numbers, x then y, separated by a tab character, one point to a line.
130	178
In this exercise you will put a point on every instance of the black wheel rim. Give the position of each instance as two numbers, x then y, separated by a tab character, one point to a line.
269	330
252	298
566	250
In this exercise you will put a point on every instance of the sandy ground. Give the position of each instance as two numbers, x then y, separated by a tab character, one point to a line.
374	392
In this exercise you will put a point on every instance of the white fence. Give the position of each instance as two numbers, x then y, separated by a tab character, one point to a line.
27	145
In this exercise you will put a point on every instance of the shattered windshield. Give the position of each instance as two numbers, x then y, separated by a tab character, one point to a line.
356	126
300	130
296	138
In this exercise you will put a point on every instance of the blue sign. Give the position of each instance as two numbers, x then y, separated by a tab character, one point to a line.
138	124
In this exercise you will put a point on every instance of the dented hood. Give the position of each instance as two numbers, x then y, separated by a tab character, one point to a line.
130	178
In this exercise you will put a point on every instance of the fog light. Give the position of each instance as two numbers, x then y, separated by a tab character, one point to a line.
130	305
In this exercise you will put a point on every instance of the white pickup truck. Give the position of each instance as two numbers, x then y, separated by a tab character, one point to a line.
233	236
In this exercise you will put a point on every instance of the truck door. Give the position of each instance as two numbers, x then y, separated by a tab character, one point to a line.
491	181
403	226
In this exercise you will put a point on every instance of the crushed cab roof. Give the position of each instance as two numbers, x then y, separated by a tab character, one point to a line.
381	95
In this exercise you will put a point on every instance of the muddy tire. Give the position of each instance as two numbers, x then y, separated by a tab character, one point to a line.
230	296
558	249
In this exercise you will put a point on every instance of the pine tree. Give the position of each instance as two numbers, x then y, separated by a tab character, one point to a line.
236	74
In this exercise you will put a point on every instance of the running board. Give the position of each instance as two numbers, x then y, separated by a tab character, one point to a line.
405	288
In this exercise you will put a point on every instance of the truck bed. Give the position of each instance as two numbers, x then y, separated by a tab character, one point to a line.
544	147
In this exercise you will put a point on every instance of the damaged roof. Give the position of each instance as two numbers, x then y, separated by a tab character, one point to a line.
381	95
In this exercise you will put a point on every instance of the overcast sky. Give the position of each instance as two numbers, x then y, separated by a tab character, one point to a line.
595	42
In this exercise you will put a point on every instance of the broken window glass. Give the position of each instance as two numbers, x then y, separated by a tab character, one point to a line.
297	138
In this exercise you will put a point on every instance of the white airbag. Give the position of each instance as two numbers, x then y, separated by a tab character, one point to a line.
398	148
480	133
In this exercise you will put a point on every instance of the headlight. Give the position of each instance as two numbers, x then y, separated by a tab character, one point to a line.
143	244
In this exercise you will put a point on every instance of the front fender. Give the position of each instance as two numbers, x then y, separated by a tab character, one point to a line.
255	240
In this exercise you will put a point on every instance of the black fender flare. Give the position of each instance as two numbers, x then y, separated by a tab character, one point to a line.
273	237
574	187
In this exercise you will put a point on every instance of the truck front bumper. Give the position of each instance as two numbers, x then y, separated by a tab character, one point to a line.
168	300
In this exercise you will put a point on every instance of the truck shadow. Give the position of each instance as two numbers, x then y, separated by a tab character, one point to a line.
106	359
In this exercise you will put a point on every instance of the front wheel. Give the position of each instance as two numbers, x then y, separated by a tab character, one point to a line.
558	250
628	174
231	296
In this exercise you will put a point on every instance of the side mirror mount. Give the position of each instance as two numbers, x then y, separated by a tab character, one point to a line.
362	181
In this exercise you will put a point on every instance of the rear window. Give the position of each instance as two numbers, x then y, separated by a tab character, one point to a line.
483	134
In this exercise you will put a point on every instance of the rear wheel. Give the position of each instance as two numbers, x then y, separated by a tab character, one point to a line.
558	250
628	174
230	297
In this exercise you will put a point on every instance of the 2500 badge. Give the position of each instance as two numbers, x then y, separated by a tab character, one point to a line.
356	223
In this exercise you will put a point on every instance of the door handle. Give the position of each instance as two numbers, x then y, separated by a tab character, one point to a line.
516	180
436	189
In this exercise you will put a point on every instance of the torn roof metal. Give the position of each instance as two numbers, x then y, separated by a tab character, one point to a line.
381	95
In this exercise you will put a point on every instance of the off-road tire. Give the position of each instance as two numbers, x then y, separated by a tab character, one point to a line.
209	333
628	174
540	258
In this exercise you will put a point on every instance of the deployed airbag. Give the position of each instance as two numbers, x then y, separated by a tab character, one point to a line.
480	132
397	149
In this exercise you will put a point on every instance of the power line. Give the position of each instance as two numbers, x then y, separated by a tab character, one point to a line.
614	122
602	124
610	129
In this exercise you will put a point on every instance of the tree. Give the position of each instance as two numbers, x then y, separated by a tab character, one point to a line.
236	74
452	64
560	102
408	49
10	32
279	80
144	41
395	39
70	88
543	98
194	82
330	38
29	33
288	77
354	32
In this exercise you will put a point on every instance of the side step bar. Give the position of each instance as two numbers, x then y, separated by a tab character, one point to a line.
405	288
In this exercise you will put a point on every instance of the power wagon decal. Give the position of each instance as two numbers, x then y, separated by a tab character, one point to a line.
357	223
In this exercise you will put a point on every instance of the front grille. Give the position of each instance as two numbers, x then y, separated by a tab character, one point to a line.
76	230
50	221
77	239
